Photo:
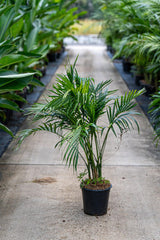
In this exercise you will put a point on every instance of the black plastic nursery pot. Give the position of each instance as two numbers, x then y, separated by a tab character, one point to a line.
95	202
137	79
52	56
126	65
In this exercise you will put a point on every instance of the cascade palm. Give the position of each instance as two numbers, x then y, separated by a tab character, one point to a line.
155	110
132	27
73	110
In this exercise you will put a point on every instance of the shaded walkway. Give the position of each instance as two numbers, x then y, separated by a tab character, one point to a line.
53	211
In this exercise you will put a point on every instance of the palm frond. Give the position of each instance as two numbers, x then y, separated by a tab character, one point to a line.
120	113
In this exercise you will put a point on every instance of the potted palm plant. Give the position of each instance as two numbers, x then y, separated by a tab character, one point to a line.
72	111
155	113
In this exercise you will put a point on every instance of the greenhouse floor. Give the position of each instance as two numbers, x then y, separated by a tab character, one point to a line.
40	198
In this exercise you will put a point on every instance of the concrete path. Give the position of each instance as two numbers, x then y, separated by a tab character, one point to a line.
52	210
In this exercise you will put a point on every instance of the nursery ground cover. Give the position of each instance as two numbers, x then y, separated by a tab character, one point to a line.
36	210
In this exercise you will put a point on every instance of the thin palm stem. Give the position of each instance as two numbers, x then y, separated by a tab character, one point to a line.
104	143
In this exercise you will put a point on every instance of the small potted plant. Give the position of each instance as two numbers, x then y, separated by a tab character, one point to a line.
72	111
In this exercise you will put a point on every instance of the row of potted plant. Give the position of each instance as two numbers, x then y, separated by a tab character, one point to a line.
131	30
30	31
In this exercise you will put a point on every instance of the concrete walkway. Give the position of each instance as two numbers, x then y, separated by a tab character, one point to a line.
52	210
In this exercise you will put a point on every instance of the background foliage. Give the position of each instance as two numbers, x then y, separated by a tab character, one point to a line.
29	30
132	30
92	8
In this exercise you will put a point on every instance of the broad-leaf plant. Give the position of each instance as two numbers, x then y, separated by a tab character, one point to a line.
28	30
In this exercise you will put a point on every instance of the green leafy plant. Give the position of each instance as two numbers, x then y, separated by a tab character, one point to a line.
10	82
155	111
132	28
73	110
28	30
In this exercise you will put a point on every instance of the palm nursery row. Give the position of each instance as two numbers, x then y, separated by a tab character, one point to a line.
30	31
132	32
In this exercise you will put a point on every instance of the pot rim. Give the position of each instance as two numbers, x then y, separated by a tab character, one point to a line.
97	190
